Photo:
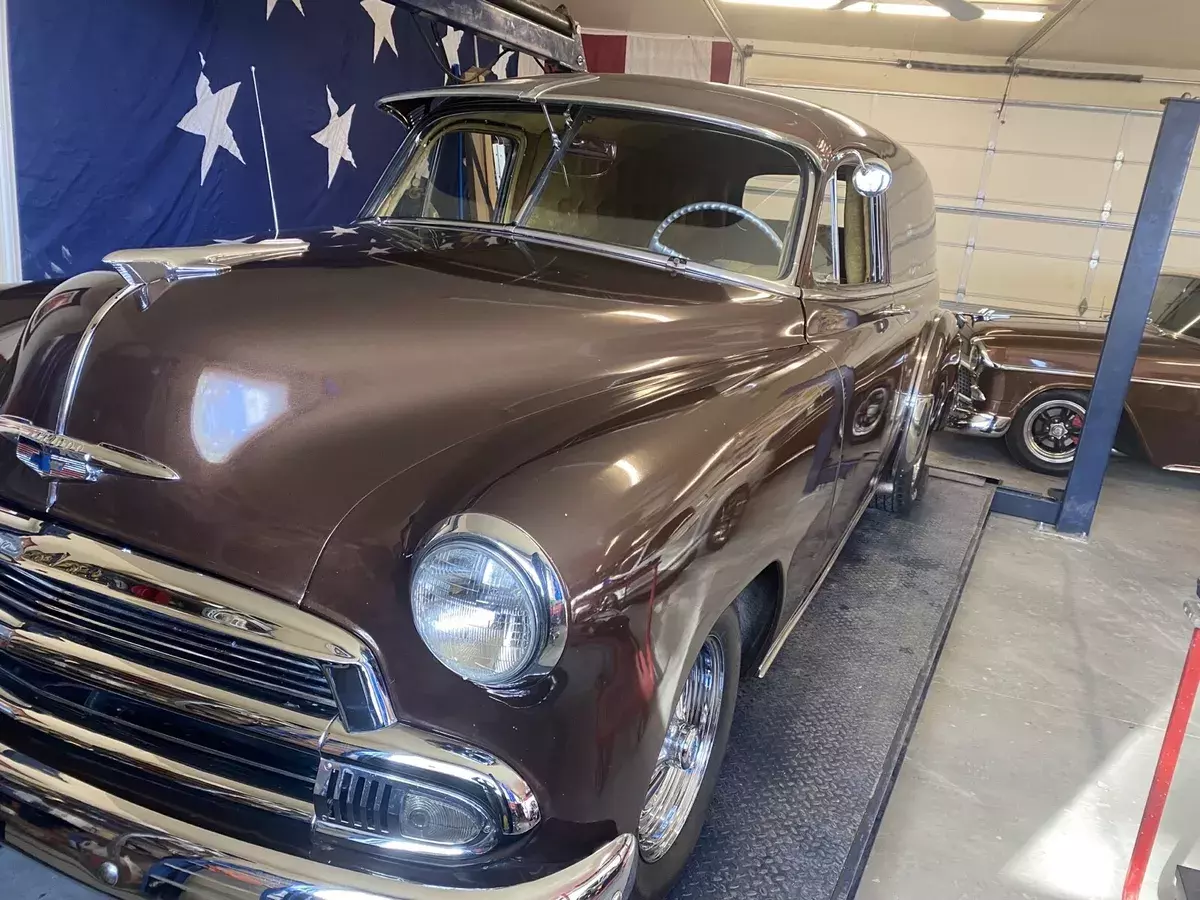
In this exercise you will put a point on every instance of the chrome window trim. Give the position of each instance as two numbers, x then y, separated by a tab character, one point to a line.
201	600
646	257
520	548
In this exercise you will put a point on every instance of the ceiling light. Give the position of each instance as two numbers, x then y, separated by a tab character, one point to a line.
795	4
860	7
1013	15
912	9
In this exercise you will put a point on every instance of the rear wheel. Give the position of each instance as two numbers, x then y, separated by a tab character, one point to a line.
689	761
1044	433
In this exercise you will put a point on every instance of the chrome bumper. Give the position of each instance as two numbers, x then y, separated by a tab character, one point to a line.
129	851
985	424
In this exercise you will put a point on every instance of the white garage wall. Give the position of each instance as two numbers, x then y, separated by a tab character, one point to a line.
1034	206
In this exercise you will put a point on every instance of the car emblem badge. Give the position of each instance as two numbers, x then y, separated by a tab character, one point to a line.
58	457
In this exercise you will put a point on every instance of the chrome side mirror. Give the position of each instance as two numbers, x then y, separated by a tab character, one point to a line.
872	177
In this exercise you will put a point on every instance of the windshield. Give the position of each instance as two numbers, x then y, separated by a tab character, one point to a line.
669	186
1176	305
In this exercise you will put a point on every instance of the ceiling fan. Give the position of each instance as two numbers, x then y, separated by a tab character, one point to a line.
960	9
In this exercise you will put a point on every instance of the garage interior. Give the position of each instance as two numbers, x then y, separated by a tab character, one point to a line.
1020	765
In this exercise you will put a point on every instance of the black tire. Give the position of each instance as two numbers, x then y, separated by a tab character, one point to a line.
905	484
1021	440
654	879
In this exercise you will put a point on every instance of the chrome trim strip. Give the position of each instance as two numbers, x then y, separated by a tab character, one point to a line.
10	520
527	554
1191	470
982	424
93	460
422	754
199	600
140	842
197	779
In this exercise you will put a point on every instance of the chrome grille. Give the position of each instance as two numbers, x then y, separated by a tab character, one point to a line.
167	643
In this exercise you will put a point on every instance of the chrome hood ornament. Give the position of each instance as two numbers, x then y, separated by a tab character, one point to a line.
57	457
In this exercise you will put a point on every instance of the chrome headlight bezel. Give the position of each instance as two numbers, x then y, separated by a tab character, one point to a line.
521	552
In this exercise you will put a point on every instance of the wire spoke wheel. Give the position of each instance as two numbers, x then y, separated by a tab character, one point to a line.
1052	429
685	754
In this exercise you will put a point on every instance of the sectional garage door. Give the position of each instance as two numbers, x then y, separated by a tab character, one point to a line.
1034	211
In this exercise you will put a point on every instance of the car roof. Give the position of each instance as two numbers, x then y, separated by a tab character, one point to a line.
818	129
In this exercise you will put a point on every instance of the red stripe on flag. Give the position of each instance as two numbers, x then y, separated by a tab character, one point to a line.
722	62
604	52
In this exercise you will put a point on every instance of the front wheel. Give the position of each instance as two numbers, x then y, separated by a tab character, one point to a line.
689	761
1044	433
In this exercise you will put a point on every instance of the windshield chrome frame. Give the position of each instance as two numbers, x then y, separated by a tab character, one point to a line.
786	284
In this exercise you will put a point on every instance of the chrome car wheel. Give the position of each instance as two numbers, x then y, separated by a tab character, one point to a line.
1052	429
685	754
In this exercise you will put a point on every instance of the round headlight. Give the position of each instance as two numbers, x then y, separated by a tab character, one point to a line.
490	612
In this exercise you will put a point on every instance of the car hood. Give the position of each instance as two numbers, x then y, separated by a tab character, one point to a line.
1052	343
285	392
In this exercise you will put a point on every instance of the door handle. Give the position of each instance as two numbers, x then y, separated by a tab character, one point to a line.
893	311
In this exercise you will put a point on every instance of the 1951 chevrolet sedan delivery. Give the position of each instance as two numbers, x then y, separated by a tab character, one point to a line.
1027	379
420	557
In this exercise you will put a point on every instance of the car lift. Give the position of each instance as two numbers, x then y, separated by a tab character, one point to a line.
551	35
1071	511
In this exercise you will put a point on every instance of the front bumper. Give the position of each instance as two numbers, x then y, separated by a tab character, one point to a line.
129	851
985	424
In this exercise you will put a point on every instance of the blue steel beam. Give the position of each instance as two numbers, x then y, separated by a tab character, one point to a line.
1147	247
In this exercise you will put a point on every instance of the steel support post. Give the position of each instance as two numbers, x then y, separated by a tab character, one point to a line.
1147	247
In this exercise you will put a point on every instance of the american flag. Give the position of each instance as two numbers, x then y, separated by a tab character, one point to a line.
137	122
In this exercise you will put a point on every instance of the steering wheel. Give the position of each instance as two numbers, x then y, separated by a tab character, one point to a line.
659	247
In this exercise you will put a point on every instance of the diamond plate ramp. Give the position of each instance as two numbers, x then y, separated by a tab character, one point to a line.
816	745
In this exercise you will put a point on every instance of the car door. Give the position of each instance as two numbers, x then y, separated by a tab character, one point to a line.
861	320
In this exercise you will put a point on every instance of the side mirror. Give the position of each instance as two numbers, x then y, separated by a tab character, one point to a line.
872	177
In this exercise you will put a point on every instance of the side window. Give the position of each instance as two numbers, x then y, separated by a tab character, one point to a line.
463	176
851	240
773	198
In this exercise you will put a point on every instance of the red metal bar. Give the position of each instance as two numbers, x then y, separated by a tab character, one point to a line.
1168	757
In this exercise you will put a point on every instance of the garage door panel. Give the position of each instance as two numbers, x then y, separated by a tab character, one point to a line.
1113	244
1071	183
919	122
1131	180
1104	288
1035	237
1057	283
1183	254
955	173
949	261
1060	132
953	228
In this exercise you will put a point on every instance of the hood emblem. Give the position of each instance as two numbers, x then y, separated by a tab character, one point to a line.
57	457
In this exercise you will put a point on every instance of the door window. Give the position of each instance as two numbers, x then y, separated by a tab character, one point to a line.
463	175
851	239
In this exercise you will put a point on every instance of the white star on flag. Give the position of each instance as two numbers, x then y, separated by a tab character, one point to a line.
381	14
335	137
452	46
209	118
338	231
271	7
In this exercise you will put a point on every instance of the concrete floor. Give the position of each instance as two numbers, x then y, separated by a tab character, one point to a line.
1032	756
1030	763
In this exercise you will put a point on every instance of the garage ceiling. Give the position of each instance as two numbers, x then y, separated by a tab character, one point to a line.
1139	33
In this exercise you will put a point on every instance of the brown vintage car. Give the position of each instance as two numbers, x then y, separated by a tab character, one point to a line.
420	557
1027	379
